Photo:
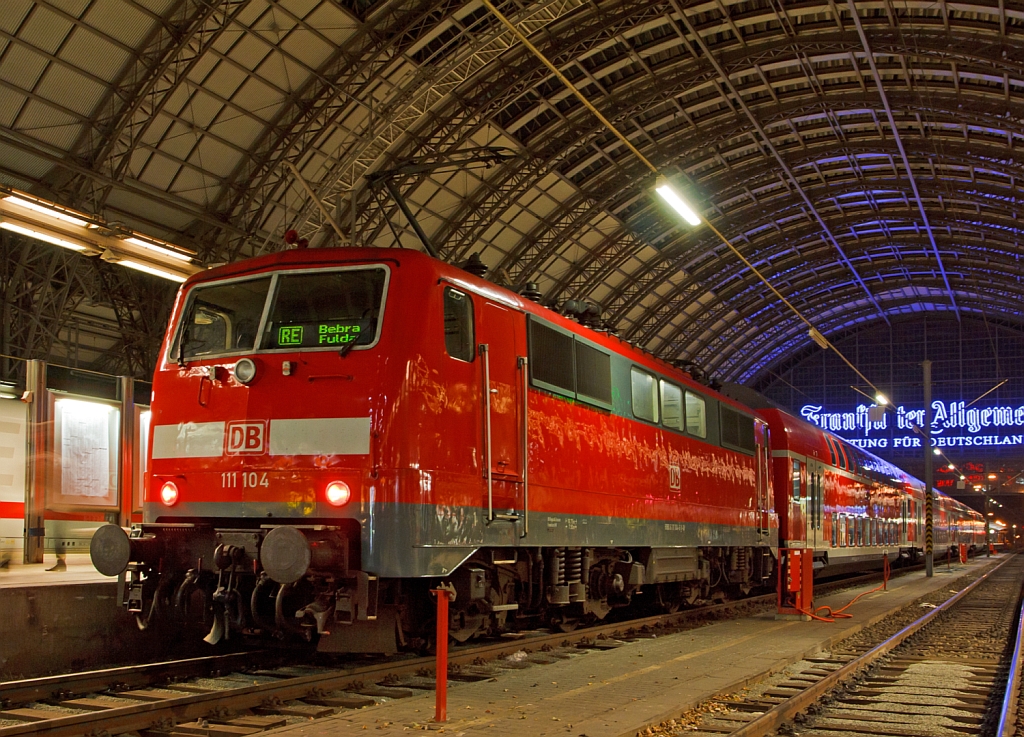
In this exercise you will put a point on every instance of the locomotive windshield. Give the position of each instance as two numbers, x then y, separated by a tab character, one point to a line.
223	318
332	309
309	309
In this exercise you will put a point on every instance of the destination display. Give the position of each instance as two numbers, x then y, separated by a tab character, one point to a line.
324	334
954	425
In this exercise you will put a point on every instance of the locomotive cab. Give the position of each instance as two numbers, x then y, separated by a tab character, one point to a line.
260	448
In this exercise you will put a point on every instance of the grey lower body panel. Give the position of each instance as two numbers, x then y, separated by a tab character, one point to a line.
423	540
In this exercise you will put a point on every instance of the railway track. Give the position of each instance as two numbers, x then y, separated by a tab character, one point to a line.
943	675
204	697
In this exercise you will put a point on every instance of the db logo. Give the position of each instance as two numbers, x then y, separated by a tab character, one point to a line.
246	438
675	477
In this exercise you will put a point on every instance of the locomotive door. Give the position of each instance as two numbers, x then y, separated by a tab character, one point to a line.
764	480
814	516
502	339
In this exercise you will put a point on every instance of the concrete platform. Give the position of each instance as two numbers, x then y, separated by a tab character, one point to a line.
69	620
76	569
615	693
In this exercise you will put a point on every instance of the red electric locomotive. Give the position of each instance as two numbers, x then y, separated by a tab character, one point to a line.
336	431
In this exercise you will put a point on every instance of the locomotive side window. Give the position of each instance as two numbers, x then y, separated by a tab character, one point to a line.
645	395
696	415
672	406
458	325
221	318
737	430
326	309
796	481
593	375
552	364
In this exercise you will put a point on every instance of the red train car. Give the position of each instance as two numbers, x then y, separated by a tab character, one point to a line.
849	507
335	431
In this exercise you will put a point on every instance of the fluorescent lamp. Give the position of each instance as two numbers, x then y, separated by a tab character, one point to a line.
162	250
678	204
881	399
39	236
48	211
139	266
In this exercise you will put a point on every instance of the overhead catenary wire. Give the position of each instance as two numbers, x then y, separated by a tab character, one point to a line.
812	330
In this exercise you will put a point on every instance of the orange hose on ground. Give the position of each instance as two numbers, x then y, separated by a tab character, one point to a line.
832	615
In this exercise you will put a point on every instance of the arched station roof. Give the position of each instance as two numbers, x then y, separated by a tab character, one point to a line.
864	155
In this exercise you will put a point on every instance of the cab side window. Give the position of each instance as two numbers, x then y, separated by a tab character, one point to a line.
672	406
645	395
458	325
696	415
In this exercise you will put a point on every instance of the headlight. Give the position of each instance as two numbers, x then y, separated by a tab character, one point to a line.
245	370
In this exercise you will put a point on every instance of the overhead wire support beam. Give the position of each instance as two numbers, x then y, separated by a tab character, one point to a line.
903	152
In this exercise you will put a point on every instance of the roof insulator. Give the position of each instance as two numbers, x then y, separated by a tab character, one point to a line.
475	266
531	291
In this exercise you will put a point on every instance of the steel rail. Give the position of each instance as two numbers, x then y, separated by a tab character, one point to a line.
34	689
778	715
1008	713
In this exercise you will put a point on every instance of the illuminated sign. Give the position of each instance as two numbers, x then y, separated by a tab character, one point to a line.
949	478
289	335
327	334
954	425
337	334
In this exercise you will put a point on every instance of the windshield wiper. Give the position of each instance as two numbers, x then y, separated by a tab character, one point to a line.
363	324
186	324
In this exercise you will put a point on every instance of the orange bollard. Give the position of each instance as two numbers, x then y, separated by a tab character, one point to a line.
441	666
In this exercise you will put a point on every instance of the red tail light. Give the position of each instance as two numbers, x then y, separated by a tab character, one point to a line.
338	493
169	493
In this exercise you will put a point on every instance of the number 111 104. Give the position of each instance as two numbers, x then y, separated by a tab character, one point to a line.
249	479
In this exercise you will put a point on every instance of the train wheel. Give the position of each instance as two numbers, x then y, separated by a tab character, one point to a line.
565	623
464	625
669	597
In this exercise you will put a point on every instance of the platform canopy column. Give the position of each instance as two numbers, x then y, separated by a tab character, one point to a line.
36	473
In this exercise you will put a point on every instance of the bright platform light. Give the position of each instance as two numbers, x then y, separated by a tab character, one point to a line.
156	248
51	212
139	266
40	236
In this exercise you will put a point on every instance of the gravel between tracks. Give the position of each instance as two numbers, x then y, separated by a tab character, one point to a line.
860	641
